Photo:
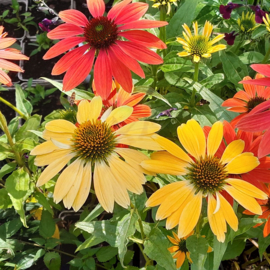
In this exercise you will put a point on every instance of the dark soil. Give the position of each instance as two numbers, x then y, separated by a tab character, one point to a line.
36	67
6	111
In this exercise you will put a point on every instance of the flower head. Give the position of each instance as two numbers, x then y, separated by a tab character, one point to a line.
207	176
46	25
109	37
93	149
247	22
246	100
10	54
226	11
259	13
166	3
230	37
266	20
197	45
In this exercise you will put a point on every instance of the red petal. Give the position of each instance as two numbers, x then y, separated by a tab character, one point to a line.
238	109
73	16
144	38
64	31
134	99
233	102
9	54
254	147
96	7
62	46
228	132
78	71
6	42
131	63
142	24
130	13
262	68
237	119
264	163
103	75
69	59
9	66
247	137
262	81
115	10
121	73
266	229
4	78
261	107
140	53
264	148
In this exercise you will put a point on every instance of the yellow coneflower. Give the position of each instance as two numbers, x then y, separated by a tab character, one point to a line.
92	150
197	45
166	3
207	176
247	22
266	20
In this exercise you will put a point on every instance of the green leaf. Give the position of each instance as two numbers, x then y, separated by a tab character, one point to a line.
25	144
106	253
7	168
233	68
185	14
251	57
17	185
12	227
203	115
212	80
91	241
94	213
219	250
234	249
263	242
80	94
125	228
259	32
197	246
156	248
5	151
5	201
52	260
47	225
43	201
21	102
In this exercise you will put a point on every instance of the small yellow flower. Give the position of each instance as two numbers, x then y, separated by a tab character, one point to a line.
167	3
266	20
199	45
247	22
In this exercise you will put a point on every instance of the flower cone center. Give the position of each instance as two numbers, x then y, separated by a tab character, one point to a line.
198	45
207	174
253	102
94	141
100	32
183	245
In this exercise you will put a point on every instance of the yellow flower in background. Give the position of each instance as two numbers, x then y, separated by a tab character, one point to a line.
207	176
92	150
247	22
197	45
267	22
167	3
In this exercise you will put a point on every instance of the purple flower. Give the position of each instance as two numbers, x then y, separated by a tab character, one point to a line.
46	24
227	10
167	112
230	37
259	13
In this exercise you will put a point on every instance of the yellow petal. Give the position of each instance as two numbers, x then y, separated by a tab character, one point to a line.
60	126
214	138
196	58
103	186
172	148
246	201
180	259
43	160
234	149
95	108
187	30
166	156
84	189
119	115
66	180
173	249
195	28
60	137
216	39
176	237
138	128
182	41
242	163
187	220
160	195
55	167
44	148
192	138
228	213
247	188
217	48
183	54
144	142
206	55
159	166
216	221
173	241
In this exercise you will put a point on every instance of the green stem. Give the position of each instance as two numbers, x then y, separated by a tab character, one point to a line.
13	108
266	57
5	129
195	79
162	30
154	73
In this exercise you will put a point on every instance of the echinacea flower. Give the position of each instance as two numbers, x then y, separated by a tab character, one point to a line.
166	3
247	22
197	45
118	49
266	20
259	13
265	204
207	176
246	100
10	54
91	150
226	11
230	37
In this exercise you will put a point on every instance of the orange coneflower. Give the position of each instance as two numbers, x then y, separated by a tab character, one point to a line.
118	48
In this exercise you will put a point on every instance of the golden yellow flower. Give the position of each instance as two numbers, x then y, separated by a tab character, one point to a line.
207	176
247	22
266	20
92	150
197	45
167	3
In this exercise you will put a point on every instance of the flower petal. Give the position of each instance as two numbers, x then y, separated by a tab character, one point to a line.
60	126
6	42
44	148
4	64
64	31
116	9
73	16
96	7
142	24
234	149
119	115
46	159
214	138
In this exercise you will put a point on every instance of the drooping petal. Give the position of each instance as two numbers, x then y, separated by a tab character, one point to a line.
4	64
4	78
73	16
6	42
46	159
64	31
262	68
44	148
214	138
8	54
118	115
138	128
142	24
60	126
234	149
96	7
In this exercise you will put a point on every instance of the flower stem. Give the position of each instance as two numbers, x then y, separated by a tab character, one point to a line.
162	30
195	79
266	57
13	108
